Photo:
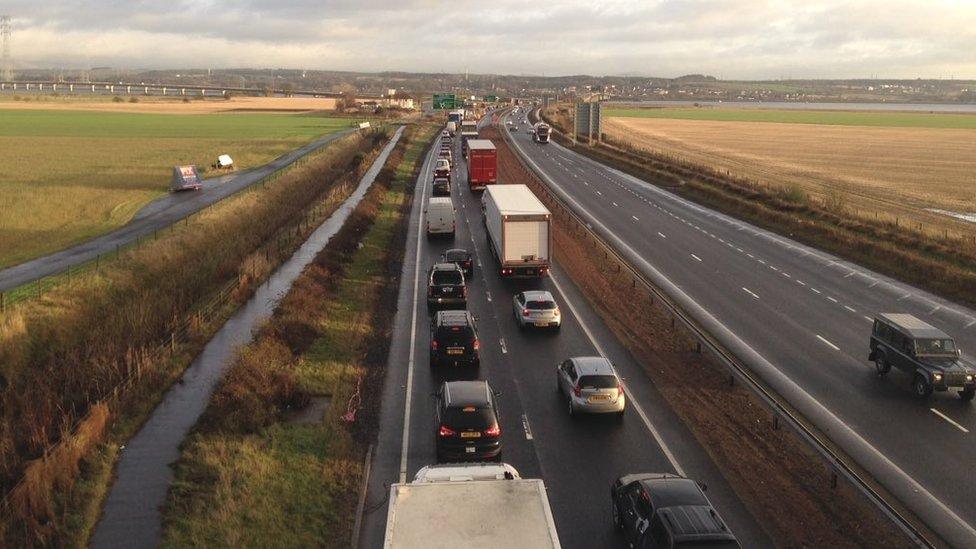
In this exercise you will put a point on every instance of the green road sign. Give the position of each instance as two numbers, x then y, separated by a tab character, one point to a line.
445	101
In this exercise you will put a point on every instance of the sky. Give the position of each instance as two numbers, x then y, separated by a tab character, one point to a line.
731	39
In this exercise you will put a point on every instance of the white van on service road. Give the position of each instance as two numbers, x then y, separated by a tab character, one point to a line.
440	216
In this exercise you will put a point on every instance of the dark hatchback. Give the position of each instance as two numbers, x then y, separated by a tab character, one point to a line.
666	510
454	339
467	425
460	257
441	187
446	288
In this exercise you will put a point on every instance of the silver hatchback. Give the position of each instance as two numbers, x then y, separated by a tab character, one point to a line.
591	385
536	308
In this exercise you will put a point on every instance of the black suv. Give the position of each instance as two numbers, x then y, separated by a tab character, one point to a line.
467	422
441	187
445	287
454	339
666	510
460	257
922	350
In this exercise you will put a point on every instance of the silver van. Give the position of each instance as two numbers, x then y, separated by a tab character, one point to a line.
441	216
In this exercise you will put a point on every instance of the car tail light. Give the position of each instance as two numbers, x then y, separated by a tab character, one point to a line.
620	390
430	290
525	312
577	391
555	312
446	431
464	291
493	431
433	345
476	345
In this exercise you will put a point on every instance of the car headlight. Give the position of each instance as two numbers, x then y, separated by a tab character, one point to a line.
937	377
969	378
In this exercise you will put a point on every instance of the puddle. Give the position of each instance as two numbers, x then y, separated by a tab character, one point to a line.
970	217
131	516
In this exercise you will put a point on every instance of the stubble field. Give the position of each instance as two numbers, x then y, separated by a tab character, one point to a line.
69	175
899	170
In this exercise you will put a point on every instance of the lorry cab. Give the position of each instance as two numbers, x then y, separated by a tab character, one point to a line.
440	216
923	351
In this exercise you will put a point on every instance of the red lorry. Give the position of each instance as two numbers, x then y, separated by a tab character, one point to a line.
482	164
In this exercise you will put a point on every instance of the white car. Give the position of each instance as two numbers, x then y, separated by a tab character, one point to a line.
536	308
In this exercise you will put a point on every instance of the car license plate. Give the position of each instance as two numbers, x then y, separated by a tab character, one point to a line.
542	324
530	271
471	434
599	398
455	351
469	449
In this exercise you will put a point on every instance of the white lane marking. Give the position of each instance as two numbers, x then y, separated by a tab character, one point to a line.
850	274
487	293
869	319
971	322
525	427
721	240
661	235
750	256
748	291
632	402
800	282
599	193
501	342
761	261
831	299
614	203
851	309
696	258
787	275
635	218
945	417
832	346
405	442
903	297
937	307
814	290
773	267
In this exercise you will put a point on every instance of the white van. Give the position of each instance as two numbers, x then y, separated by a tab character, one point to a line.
440	216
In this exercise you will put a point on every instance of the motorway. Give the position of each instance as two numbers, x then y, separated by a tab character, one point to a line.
577	459
804	311
157	215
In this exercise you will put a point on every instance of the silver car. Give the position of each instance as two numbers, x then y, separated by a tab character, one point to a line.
536	308
591	385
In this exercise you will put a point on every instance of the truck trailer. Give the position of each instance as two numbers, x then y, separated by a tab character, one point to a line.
540	132
482	164
476	506
519	231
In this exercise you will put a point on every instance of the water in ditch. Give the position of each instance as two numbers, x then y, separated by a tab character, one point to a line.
132	513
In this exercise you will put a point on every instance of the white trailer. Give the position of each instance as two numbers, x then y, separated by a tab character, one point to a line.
486	507
519	231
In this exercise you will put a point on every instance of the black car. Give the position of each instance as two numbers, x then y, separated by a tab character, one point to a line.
460	257
441	187
666	510
454	339
923	351
445	287
467	425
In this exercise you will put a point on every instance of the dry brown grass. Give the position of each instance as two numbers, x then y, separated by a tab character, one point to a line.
880	172
174	105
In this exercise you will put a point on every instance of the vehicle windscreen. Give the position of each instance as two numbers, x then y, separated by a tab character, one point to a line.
598	382
469	417
447	277
935	347
540	305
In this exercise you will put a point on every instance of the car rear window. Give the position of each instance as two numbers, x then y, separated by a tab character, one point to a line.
456	256
461	335
598	382
469	417
541	305
447	277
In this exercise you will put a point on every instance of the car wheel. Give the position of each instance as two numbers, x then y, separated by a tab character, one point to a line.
882	366
921	386
967	394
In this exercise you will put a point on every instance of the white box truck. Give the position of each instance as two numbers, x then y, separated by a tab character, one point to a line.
475	506
519	231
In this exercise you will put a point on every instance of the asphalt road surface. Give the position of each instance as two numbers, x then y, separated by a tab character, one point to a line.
805	311
577	458
158	214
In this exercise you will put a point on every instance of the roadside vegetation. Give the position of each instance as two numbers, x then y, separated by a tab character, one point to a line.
71	175
277	457
851	219
760	461
82	366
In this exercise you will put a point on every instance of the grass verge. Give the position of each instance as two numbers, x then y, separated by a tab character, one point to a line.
120	335
941	265
250	472
761	463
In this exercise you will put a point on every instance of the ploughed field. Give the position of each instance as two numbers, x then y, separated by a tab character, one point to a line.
872	164
70	175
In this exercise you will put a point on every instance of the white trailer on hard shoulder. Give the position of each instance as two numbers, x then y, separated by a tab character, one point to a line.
519	230
475	506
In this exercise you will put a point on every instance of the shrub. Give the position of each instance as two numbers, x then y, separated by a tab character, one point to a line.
117	99
794	193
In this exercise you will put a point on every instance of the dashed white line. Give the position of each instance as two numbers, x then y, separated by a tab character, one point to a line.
831	299
971	322
814	290
696	258
501	341
487	293
635	218
773	267
869	319
851	309
599	193
800	282
661	234
525	427
832	346
947	418
933	311
748	291
614	203
787	275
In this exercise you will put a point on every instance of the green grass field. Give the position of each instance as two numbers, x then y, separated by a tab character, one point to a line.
70	175
788	116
